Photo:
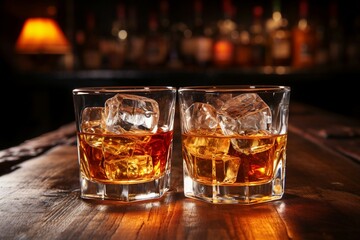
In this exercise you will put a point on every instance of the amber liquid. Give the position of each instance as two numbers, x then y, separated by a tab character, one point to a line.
215	159
125	158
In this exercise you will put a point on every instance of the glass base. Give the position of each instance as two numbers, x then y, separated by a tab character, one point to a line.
125	192
248	194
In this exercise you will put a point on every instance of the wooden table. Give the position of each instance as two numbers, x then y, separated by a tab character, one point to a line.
39	193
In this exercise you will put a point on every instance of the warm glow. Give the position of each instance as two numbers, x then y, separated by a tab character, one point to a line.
122	35
277	16
223	50
42	35
303	24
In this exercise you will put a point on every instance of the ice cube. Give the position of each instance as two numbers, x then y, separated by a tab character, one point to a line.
126	112
129	168
201	116
91	120
219	169
207	147
231	168
119	146
217	100
91	123
255	143
244	114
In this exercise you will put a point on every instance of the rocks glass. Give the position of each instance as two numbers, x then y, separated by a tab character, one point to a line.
234	142
124	141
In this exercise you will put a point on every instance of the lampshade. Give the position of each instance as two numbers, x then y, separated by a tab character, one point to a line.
42	36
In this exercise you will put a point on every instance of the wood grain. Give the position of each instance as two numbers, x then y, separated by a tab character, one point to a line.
39	199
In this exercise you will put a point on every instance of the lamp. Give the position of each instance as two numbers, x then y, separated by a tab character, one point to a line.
42	46
42	36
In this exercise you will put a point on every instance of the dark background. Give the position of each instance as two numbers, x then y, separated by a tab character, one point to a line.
35	102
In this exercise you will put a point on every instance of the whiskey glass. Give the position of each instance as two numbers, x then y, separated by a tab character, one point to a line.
124	141
234	142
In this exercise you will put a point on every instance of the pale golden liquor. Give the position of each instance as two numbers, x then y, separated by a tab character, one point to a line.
125	158
239	160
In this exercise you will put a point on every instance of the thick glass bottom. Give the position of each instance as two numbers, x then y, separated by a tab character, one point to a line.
246	194
125	192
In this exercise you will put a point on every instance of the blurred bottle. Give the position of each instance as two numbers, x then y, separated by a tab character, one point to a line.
224	47
115	48
321	51
174	59
304	39
187	44
202	36
136	39
243	51
88	44
170	34
164	20
156	44
165	24
279	38
258	38
335	37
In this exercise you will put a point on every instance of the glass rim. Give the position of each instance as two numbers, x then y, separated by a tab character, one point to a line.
119	89
234	88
